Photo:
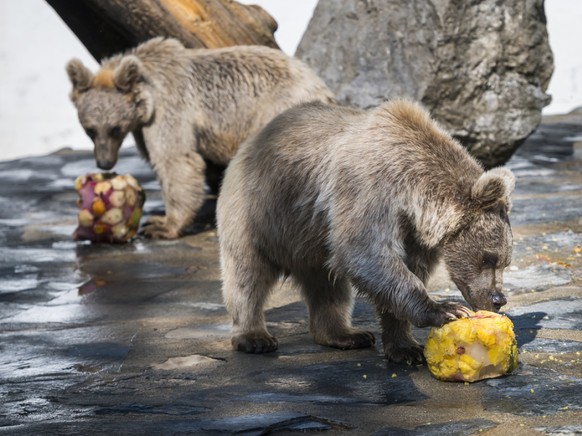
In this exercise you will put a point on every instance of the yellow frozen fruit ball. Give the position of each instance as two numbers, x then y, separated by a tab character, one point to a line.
471	349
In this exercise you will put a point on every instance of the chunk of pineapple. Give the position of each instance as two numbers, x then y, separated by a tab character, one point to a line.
471	349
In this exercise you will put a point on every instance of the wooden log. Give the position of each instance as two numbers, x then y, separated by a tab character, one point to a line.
107	27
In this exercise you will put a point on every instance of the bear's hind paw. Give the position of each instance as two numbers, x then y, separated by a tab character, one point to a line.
157	227
254	343
350	340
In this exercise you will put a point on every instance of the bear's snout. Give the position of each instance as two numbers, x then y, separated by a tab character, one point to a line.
498	300
105	164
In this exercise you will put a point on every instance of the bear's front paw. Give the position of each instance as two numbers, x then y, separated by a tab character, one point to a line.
410	353
441	313
157	227
254	343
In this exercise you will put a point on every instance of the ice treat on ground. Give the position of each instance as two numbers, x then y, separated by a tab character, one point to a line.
110	207
470	349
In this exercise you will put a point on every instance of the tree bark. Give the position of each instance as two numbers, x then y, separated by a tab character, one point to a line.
107	27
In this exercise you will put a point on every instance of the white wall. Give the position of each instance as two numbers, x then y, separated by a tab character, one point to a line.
36	116
565	32
292	17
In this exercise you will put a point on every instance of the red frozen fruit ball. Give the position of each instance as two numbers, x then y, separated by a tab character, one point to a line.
110	207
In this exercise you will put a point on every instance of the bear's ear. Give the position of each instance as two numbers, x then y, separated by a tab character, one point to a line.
79	75
144	104
127	74
493	187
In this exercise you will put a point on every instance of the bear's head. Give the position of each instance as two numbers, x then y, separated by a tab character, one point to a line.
478	252
110	104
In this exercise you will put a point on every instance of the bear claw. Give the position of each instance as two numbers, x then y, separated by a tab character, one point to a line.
441	313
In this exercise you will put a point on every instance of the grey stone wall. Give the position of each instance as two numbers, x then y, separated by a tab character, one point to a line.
480	66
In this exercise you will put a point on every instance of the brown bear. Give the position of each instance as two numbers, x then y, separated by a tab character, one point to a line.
336	198
185	107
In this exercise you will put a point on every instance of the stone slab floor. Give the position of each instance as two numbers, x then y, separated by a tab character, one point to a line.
133	339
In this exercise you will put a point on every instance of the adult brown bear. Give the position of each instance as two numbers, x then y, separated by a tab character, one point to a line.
336	197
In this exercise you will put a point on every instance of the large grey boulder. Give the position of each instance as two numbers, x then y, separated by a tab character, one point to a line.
480	66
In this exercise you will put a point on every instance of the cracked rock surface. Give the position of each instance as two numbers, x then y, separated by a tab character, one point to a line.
134	338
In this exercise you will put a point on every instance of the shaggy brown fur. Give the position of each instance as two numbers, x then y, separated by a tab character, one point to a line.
185	107
337	197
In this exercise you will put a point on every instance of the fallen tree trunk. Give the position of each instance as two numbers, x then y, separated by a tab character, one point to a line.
107	27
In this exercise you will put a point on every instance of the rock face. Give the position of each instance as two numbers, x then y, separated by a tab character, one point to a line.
481	67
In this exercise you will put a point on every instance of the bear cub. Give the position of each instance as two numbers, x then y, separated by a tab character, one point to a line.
186	108
336	198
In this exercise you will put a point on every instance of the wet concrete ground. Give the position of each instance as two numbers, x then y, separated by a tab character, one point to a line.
133	338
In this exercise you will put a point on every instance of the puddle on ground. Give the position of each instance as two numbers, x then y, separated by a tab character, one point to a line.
19	175
19	269
62	314
62	184
262	424
13	222
466	427
17	256
136	409
16	284
49	358
68	245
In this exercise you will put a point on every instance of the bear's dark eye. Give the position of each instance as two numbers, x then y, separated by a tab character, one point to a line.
91	133
489	260
115	132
